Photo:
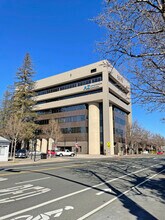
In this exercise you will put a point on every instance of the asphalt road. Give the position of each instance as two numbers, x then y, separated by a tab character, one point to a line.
110	188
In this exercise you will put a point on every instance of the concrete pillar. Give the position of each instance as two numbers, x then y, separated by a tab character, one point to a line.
44	145
30	144
107	116
111	130
94	128
108	128
50	142
130	119
38	145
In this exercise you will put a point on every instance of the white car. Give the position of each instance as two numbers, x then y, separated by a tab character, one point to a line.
65	153
145	152
37	153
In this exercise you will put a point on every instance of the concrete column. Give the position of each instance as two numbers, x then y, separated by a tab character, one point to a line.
111	130
94	128
108	128
107	115
44	146
130	119
50	143
38	145
30	144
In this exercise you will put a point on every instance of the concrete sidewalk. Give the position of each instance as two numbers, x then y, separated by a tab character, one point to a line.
27	161
38	160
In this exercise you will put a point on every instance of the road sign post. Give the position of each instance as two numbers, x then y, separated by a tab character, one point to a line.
108	146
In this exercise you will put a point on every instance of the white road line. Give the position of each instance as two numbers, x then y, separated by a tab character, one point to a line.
3	179
33	180
115	198
69	195
103	191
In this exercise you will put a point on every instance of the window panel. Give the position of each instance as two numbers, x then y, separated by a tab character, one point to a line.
70	85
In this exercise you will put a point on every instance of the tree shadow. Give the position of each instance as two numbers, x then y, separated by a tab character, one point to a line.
157	186
129	204
134	208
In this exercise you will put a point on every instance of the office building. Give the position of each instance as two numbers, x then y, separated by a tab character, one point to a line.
92	106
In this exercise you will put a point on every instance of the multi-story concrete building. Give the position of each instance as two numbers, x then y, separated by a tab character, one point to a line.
92	105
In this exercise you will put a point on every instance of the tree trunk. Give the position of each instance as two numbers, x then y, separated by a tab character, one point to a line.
11	152
15	143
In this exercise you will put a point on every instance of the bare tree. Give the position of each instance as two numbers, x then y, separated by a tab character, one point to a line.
136	39
139	139
13	130
52	130
158	141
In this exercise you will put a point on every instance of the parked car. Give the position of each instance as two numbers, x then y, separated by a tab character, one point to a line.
51	153
65	153
37	153
160	152
22	153
145	152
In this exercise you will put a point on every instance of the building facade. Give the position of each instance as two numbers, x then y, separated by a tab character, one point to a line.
92	106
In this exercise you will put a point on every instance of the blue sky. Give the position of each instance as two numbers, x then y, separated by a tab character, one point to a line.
60	36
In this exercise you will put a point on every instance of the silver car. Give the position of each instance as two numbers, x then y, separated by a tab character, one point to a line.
22	153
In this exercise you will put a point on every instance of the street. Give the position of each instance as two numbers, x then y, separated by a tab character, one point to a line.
77	189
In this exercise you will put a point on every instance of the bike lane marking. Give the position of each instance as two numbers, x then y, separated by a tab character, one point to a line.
21	192
45	216
75	193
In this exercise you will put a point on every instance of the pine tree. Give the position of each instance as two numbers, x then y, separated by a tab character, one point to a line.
24	98
5	110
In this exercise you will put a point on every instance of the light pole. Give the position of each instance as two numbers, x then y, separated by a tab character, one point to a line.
35	142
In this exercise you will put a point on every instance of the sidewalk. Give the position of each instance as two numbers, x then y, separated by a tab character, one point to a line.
38	160
27	161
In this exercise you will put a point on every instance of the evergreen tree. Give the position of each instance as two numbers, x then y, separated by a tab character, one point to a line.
24	98
5	110
17	118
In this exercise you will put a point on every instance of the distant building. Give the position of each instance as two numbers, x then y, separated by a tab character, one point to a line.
92	105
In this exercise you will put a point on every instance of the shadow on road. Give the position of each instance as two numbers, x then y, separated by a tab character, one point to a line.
102	172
